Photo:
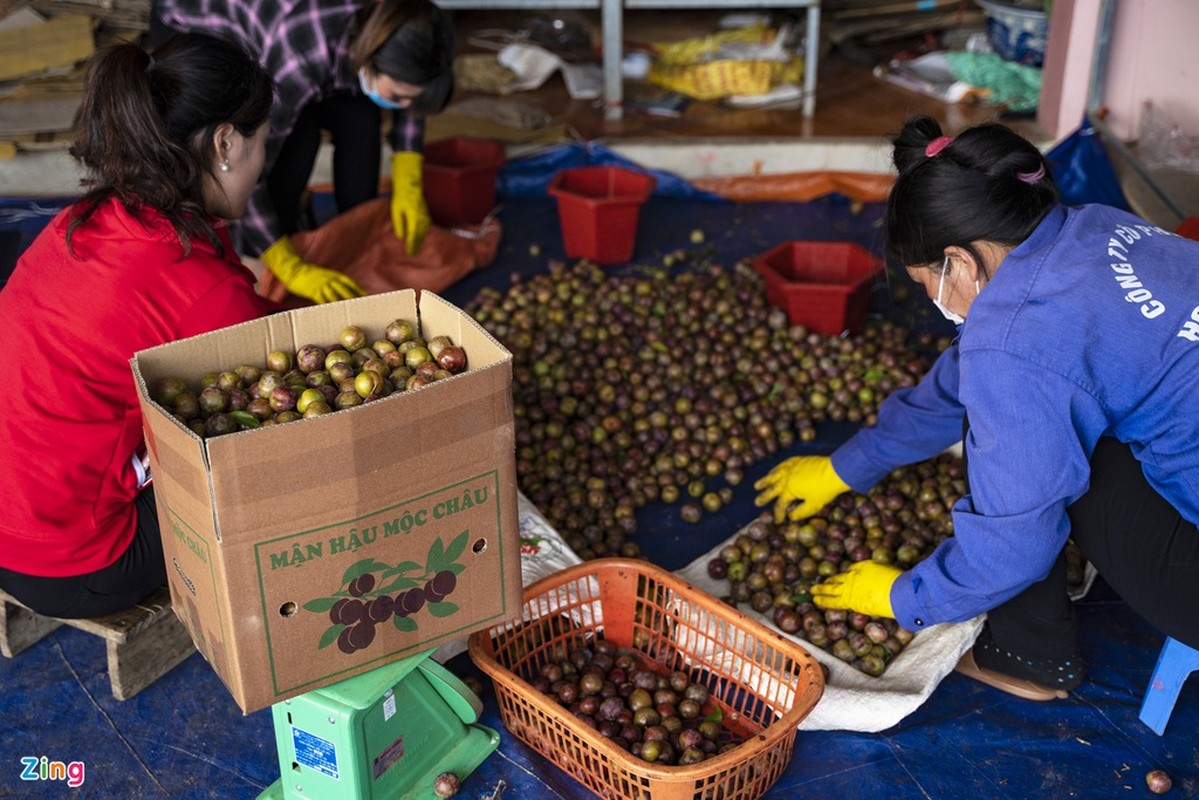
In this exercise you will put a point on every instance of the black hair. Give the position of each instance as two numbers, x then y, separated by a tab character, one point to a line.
986	184
146	125
410	41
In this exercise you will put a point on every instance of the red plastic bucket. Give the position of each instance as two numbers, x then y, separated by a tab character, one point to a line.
598	208
824	286
459	179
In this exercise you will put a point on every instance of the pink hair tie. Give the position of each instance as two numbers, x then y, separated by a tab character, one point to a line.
1034	176
937	145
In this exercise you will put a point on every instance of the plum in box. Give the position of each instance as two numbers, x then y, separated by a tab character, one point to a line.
265	530
824	286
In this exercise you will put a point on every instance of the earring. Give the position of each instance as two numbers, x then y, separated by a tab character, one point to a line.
225	165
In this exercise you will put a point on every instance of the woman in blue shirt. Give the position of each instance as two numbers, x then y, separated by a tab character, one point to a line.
1072	387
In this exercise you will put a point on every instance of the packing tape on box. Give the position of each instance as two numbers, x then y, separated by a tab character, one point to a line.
432	429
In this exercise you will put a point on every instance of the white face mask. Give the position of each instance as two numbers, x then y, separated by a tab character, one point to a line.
956	319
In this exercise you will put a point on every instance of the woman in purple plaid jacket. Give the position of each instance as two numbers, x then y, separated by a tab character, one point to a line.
338	65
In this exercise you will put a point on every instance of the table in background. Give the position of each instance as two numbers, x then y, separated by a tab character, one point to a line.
612	20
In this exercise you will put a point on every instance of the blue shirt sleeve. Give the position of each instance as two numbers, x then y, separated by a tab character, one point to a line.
1032	432
913	425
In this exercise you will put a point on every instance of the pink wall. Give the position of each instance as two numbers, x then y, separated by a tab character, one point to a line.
1153	55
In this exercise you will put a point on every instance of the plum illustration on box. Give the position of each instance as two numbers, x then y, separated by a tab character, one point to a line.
373	593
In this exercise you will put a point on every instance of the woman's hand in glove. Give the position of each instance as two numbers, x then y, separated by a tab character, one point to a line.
865	588
318	284
809	481
409	212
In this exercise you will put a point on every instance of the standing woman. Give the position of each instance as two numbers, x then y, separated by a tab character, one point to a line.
172	144
338	65
1074	380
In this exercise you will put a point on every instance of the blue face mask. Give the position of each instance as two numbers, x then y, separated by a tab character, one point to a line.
376	98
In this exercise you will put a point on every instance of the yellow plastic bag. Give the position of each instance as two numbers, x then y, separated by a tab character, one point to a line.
696	68
703	48
718	79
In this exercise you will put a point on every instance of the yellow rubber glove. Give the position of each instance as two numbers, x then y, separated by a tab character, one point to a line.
810	480
409	213
318	284
865	587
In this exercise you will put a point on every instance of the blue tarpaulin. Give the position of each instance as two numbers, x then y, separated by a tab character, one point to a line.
184	737
20	221
530	175
1083	170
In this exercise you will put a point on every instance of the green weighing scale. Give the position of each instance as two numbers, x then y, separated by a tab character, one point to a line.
383	735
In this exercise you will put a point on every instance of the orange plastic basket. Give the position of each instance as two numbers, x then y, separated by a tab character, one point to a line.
764	683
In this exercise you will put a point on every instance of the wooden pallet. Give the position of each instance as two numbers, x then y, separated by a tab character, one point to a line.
144	642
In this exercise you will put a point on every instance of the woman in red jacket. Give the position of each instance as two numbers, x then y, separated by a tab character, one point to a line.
173	144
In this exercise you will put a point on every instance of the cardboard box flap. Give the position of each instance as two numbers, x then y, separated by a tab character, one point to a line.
176	453
250	342
321	325
439	318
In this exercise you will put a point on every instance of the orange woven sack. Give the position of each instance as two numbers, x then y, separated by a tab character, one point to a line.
362	244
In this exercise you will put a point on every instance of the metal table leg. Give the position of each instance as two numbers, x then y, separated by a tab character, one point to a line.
612	19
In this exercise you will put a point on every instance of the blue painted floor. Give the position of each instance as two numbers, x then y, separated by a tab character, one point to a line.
185	738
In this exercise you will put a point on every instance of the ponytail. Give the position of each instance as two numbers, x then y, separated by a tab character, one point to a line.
986	184
144	128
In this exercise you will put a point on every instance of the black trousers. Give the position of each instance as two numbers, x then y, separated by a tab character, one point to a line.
353	122
1136	540
135	575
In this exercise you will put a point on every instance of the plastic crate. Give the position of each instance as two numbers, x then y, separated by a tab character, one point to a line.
459	179
1189	228
824	286
764	683
599	208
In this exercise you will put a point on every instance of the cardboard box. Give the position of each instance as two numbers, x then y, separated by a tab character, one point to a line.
264	530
